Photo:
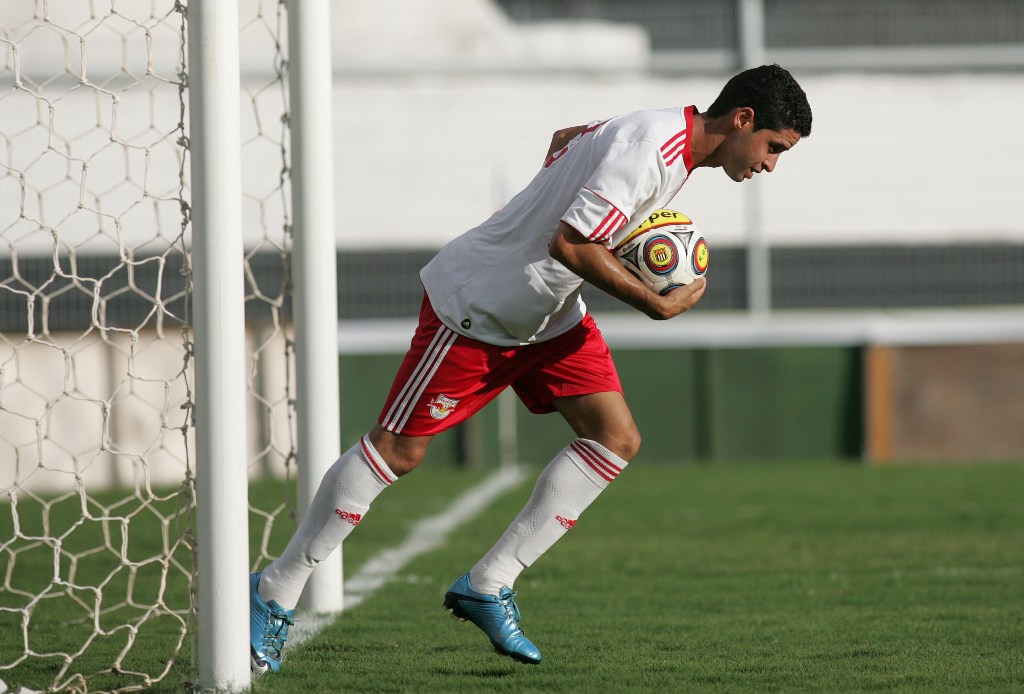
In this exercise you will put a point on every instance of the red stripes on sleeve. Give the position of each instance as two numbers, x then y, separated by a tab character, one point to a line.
612	222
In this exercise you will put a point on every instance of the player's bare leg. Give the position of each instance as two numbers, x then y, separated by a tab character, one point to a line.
605	418
403	453
568	485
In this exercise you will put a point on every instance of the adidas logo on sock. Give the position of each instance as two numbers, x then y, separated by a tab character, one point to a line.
567	523
352	518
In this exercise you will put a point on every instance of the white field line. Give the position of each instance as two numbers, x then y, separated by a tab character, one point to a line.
425	536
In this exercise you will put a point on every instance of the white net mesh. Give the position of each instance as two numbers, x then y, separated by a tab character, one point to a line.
265	210
96	397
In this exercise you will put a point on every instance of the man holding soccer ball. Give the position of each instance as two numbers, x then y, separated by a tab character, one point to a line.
502	308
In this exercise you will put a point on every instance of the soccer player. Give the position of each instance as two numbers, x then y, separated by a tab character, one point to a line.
502	308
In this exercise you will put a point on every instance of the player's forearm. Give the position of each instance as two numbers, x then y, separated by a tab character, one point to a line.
595	265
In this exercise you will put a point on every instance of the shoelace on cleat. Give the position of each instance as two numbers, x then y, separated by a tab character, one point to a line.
275	633
508	601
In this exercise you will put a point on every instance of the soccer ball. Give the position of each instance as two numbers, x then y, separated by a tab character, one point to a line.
666	251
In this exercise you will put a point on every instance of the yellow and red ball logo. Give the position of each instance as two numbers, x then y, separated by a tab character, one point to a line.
699	258
660	254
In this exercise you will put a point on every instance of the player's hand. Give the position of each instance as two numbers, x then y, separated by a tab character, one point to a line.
680	299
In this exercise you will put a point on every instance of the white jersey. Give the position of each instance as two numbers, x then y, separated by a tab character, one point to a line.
497	282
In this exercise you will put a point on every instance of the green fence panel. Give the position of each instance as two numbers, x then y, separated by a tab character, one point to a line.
783	403
690	405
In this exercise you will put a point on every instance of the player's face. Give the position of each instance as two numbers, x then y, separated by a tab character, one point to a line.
752	151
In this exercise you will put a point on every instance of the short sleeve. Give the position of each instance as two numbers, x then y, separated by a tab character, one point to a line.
627	177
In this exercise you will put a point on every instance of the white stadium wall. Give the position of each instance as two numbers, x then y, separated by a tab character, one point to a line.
891	158
446	112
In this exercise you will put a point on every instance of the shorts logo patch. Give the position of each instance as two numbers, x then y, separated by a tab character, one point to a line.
442	406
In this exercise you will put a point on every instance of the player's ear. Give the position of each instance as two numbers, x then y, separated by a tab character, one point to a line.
743	118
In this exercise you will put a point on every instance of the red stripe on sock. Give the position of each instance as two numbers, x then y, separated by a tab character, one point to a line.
601	465
374	465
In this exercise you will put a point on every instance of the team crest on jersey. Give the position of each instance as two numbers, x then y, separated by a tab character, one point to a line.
442	406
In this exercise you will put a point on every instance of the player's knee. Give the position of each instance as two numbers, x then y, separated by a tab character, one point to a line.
631	445
624	443
401	465
405	459
403	454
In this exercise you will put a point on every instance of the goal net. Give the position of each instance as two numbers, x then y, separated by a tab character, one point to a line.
97	461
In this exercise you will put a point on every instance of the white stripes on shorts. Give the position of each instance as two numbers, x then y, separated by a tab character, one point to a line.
410	394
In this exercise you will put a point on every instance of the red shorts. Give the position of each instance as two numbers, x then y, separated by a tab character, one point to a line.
446	377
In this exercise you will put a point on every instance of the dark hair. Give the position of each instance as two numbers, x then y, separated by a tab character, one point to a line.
777	100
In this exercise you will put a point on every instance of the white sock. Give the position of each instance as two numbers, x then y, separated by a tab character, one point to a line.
569	483
344	496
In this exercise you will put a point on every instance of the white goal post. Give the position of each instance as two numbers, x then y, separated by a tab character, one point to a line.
222	528
316	287
168	328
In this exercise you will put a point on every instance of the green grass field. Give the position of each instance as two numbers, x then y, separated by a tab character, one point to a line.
723	578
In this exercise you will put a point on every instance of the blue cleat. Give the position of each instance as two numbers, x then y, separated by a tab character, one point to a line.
268	630
498	617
